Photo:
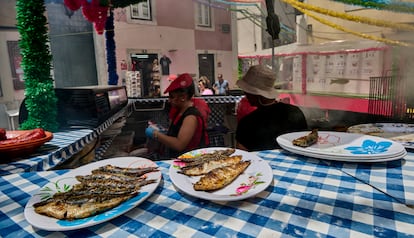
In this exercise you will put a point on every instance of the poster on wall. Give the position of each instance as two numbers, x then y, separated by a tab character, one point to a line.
371	63
316	73
297	73
353	65
15	62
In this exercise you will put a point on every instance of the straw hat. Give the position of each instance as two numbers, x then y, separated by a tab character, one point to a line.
259	81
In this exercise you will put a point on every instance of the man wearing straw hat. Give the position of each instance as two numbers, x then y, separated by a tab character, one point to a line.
259	129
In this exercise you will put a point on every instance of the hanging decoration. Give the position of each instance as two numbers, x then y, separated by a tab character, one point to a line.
403	7
338	27
40	98
93	11
110	49
349	17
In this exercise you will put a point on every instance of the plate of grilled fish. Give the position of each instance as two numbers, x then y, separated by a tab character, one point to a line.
341	146
220	174
92	194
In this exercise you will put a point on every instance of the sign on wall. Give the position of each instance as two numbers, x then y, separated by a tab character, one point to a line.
15	62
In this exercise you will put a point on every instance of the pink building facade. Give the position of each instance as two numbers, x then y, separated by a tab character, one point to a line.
195	37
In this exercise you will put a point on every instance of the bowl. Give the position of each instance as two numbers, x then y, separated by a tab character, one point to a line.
23	148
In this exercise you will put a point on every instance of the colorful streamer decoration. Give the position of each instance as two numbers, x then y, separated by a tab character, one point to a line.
333	25
403	7
92	10
349	17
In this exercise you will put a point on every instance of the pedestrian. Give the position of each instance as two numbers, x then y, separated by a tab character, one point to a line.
203	86
221	86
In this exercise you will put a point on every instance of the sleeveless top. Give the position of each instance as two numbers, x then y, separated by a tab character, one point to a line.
200	137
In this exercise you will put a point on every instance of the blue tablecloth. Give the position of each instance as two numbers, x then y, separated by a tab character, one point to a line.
308	198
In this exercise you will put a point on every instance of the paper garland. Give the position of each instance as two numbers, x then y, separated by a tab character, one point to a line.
305	7
403	7
349	17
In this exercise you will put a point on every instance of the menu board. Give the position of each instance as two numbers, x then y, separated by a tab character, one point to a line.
297	73
316	72
371	64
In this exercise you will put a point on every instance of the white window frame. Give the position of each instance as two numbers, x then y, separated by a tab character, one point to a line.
203	15
141	11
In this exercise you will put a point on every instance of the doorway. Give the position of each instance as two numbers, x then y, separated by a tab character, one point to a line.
206	66
144	64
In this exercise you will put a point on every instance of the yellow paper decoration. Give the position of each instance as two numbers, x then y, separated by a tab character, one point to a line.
333	25
349	17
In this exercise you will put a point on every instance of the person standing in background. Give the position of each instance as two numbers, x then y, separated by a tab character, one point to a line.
165	65
203	86
221	86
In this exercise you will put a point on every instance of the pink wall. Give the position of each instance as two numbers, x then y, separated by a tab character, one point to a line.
333	103
173	32
180	15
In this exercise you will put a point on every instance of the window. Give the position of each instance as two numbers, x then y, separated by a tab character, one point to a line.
203	15
141	11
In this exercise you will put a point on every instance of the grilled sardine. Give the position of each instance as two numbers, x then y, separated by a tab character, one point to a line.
307	140
105	188
68	211
218	154
205	167
136	172
220	177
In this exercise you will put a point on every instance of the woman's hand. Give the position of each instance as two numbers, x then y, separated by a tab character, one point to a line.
150	131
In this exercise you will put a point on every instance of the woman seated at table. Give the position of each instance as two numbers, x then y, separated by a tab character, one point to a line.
259	129
187	127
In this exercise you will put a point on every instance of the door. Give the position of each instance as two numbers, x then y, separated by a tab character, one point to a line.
206	66
144	64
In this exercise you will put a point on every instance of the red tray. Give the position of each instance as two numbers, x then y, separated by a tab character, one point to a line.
24	148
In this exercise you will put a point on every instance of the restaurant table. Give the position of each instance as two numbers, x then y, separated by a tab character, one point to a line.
62	147
307	198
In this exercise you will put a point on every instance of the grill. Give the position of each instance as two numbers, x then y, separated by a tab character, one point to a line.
387	98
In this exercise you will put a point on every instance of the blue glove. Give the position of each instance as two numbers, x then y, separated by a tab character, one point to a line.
149	132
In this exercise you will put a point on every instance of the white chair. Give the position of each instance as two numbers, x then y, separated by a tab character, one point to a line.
12	116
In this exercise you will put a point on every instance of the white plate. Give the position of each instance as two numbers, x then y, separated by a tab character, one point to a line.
352	159
68	179
344	146
339	157
399	132
256	178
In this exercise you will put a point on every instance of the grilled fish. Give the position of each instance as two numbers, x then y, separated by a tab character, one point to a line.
307	140
105	188
111	176
70	211
220	177
207	166
218	154
136	172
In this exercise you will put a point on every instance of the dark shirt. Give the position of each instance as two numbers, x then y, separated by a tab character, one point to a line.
165	65
259	129
200	138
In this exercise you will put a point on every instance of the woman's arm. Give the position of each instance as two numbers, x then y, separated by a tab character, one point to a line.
241	147
184	137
